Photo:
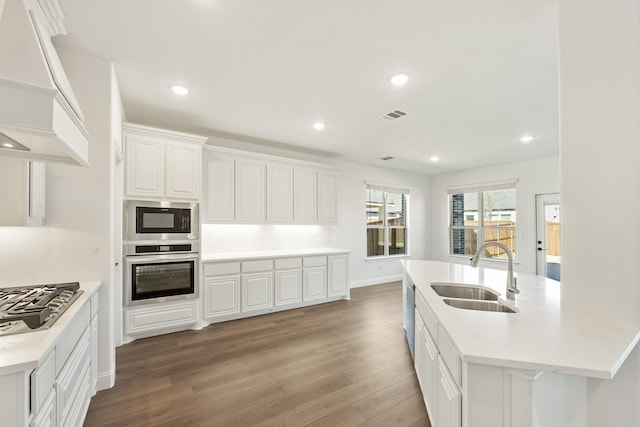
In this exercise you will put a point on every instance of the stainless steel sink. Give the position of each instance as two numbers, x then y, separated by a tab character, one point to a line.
478	305
465	292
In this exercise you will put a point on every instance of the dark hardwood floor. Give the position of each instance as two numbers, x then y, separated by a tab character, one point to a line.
339	364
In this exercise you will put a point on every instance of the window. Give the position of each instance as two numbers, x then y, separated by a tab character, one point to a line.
386	212
482	214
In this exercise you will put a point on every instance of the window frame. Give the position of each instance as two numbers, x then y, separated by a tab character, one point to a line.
385	227
481	228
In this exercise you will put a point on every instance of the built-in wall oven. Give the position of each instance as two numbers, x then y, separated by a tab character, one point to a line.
160	272
146	220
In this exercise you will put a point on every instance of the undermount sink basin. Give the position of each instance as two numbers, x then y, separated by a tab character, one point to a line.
465	292
478	305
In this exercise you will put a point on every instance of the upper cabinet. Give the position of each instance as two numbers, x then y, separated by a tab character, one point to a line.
251	189
161	164
22	191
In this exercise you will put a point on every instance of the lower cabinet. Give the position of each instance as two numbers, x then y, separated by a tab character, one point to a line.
161	318
242	288
288	287
314	283
448	411
221	296
256	291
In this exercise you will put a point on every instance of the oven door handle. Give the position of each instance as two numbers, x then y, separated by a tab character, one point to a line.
139	259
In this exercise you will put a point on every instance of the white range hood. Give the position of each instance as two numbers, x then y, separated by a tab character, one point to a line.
40	118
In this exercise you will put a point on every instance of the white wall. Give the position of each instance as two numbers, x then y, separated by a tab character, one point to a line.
537	176
599	49
349	233
74	245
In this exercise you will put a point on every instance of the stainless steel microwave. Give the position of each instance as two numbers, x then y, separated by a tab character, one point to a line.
144	220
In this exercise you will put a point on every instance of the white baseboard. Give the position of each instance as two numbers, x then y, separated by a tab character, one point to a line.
106	380
375	281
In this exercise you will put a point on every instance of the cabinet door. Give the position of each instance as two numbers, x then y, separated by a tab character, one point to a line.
183	171
419	356
338	283
314	283
249	190
219	188
288	287
256	291
46	416
305	195
448	400
144	163
429	372
279	192
94	354
327	197
221	296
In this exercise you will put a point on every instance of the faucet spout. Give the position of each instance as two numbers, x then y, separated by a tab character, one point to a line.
512	288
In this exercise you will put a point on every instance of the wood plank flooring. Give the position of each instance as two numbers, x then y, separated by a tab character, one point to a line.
344	363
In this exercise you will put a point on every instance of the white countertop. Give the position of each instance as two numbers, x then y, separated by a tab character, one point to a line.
539	337
22	352
276	253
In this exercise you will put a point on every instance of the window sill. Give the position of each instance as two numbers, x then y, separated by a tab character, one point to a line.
386	258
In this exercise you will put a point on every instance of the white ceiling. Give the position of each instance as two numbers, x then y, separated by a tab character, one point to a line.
481	73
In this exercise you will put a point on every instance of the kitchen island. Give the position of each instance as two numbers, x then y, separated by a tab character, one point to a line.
47	377
528	368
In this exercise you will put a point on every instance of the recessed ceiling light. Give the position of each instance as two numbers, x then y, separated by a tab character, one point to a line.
526	139
8	145
399	79
318	125
179	90
434	158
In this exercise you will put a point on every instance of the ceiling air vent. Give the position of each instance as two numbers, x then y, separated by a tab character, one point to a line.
387	158
395	114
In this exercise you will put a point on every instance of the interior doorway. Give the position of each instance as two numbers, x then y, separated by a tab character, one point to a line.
548	258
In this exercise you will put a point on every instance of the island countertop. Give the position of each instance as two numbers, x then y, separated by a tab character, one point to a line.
540	336
21	352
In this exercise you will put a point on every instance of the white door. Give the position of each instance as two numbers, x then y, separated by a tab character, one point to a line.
256	291
250	190
548	235
314	283
279	193
183	171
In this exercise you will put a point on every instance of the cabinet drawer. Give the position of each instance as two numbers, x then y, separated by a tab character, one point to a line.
429	318
42	380
314	261
221	268
71	335
73	380
288	263
260	265
450	356
145	320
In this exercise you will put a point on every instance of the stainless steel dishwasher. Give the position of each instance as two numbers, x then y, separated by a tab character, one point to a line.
409	312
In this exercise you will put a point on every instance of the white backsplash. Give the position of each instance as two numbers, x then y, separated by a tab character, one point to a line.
220	238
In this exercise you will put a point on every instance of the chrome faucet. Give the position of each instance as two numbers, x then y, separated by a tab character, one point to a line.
512	287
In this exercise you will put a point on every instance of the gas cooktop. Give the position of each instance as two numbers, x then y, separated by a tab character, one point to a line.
34	308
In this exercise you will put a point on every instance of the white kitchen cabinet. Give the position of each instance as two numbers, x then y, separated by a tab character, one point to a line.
305	201
314	283
157	319
219	187
288	287
429	365
338	279
327	197
183	171
448	399
22	191
46	416
279	193
419	348
161	164
221	296
256	291
249	190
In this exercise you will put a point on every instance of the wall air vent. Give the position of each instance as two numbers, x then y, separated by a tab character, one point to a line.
387	158
395	114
